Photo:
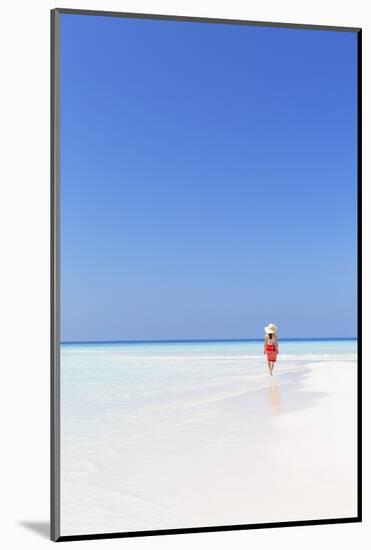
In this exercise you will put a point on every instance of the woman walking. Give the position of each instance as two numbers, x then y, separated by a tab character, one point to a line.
271	345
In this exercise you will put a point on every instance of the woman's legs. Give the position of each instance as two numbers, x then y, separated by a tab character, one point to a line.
270	367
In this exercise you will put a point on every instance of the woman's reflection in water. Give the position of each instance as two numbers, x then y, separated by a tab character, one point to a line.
275	397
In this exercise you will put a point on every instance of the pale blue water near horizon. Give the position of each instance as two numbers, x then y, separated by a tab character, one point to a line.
253	346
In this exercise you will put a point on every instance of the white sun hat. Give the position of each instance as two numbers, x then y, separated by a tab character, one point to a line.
270	329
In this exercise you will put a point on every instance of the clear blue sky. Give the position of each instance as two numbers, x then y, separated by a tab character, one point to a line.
208	180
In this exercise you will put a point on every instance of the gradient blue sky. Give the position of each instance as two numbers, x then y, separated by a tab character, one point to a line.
208	180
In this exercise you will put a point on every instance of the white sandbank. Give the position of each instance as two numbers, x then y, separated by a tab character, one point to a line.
225	453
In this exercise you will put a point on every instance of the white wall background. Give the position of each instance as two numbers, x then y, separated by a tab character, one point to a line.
24	272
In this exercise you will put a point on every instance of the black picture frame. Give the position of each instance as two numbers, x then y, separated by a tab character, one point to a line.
55	277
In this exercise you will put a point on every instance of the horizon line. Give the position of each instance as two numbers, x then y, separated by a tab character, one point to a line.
195	340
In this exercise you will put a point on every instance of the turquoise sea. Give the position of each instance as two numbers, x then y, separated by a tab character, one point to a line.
190	347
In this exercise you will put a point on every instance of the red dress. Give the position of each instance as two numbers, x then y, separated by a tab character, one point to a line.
271	352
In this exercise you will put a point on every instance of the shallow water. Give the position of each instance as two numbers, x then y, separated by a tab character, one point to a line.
143	425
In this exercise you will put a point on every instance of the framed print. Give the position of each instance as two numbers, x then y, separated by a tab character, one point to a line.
206	281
